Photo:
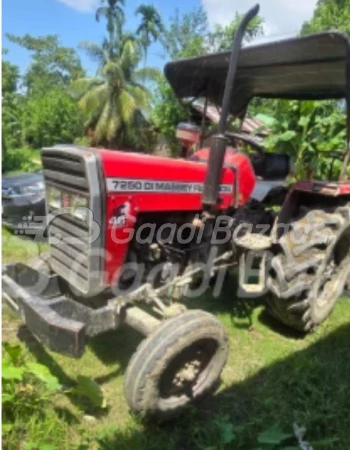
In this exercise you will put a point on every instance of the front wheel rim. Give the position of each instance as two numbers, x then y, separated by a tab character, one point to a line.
187	373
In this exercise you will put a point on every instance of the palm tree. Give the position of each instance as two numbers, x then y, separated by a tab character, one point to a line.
150	28
114	101
114	14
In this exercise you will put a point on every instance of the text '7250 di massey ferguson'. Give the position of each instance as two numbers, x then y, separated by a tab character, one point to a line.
129	230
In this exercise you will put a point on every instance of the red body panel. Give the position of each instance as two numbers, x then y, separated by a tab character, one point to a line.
246	176
174	185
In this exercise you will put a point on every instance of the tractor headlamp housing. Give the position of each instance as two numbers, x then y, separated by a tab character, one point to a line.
79	205
54	198
74	204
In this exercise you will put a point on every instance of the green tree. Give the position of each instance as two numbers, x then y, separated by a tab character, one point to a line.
184	37
52	65
10	76
114	14
222	36
329	15
150	28
309	131
186	34
52	118
167	113
13	133
115	101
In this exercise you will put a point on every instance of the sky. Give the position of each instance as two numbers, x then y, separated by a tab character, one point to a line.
74	21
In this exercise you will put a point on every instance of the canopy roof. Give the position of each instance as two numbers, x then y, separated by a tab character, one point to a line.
306	68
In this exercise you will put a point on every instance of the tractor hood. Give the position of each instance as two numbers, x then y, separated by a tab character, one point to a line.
165	184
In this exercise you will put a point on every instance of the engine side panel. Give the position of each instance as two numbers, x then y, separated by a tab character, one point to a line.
122	212
138	183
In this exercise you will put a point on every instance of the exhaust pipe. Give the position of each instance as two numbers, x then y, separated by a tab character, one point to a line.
218	147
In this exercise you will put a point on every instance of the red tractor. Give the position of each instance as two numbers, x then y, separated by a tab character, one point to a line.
130	234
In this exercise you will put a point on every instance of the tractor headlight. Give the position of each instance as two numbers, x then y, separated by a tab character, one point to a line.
73	204
54	198
80	207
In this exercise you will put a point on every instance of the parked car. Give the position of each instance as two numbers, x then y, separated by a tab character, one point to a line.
23	200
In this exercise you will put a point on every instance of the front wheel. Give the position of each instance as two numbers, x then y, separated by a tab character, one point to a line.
178	363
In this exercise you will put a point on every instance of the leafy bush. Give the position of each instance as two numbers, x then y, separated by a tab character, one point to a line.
20	160
28	392
167	114
310	132
54	118
83	141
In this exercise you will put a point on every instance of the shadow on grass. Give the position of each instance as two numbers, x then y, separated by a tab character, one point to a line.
112	347
240	310
310	388
115	346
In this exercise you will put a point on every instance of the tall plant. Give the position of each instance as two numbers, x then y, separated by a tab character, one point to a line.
114	14
115	100
311	133
150	28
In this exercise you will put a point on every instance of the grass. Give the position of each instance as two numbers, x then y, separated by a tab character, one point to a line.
272	378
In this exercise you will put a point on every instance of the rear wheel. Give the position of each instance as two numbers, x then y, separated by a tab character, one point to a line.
178	363
312	267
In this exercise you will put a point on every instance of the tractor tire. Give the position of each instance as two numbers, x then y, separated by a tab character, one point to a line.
177	364
311	268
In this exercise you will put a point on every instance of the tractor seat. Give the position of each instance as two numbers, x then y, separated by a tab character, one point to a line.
271	166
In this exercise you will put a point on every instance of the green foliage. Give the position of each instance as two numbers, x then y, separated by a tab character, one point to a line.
52	65
10	77
86	387
13	129
114	14
184	38
329	15
225	429
82	141
167	113
21	160
44	114
13	133
310	132
150	28
185	35
273	439
27	389
52	118
116	102
28	392
222	36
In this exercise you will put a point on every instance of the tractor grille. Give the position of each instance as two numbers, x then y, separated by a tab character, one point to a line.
68	173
